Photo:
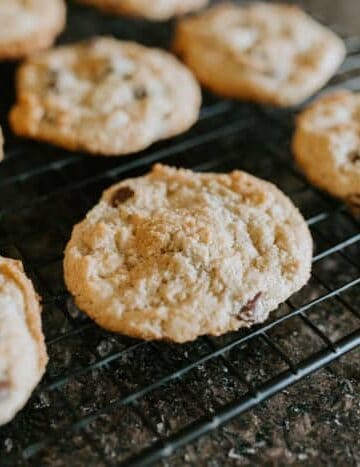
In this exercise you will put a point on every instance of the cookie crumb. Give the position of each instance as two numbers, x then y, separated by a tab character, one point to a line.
8	444
234	455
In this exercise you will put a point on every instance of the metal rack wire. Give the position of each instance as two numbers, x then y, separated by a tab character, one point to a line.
109	399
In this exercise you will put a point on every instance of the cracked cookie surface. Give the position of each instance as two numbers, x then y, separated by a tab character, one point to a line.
104	96
27	26
23	354
268	53
152	10
326	144
176	254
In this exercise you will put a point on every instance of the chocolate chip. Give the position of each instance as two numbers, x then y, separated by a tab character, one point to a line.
127	76
354	157
246	312
121	195
53	81
4	389
108	70
140	93
272	73
50	117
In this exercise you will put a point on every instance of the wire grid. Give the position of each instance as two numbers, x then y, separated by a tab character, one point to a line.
109	399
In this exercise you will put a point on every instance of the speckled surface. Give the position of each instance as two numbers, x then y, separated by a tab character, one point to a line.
320	429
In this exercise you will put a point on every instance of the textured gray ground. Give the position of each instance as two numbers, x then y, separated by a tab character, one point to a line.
315	422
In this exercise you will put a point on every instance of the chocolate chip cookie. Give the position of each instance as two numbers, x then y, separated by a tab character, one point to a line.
104	96
156	10
176	254
23	354
327	144
269	53
27	26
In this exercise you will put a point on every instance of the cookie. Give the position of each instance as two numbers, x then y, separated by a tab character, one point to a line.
27	26
156	10
326	144
175	254
269	53
104	96
23	356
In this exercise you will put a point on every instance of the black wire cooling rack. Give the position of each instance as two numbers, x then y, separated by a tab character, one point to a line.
109	399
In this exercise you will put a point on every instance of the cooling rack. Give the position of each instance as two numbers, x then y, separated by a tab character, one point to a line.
108	399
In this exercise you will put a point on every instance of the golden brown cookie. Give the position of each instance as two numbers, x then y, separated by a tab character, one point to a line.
269	53
327	144
23	356
176	254
156	10
104	96
27	26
